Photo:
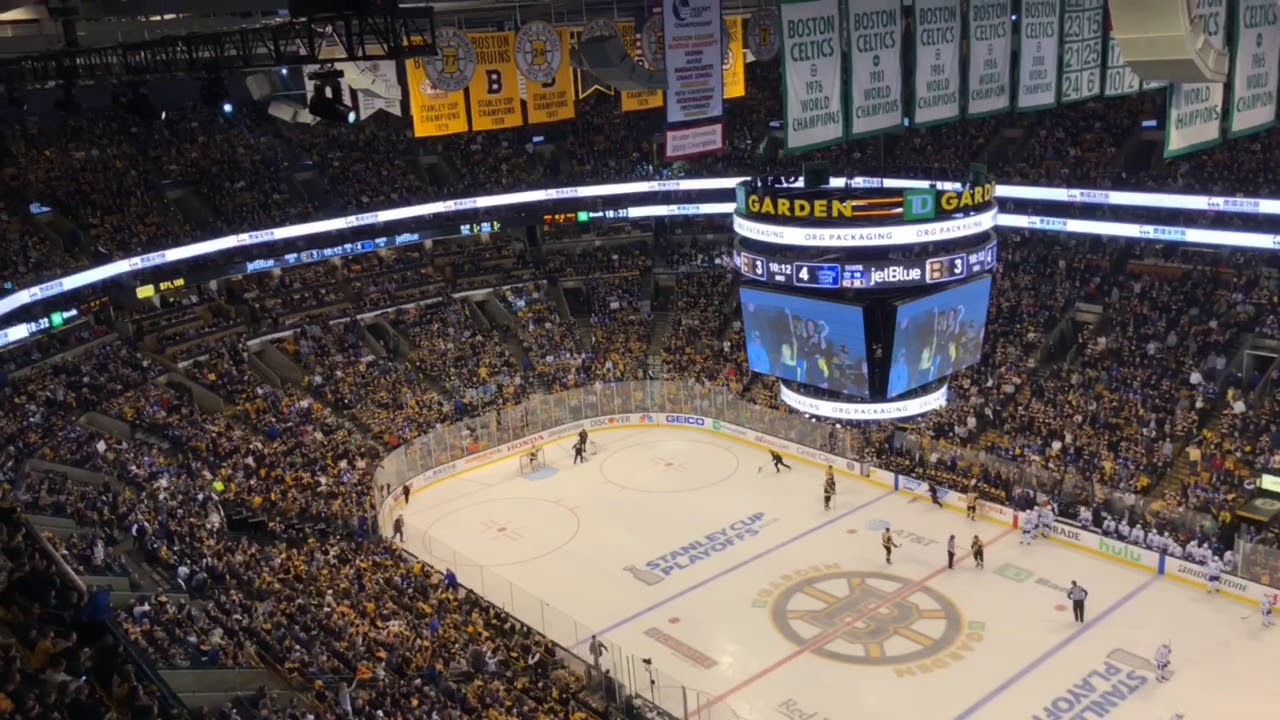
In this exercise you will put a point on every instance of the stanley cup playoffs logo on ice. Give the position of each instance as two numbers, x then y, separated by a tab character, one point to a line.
700	549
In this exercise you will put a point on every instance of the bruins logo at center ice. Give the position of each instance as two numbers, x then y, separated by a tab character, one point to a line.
868	618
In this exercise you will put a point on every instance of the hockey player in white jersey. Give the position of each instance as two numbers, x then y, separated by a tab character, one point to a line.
1164	655
1109	527
1138	536
1044	523
1213	575
1265	607
1028	525
1229	561
1123	530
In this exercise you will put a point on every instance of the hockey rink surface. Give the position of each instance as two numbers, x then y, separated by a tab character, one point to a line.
738	585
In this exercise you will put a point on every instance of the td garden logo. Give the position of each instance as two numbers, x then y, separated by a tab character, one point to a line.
869	618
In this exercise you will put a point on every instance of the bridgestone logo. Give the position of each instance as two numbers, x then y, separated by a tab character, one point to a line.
1198	574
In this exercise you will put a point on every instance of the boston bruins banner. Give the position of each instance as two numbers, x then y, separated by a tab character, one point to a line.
1038	55
1083	38
875	75
1255	59
636	100
1121	79
435	112
454	63
495	86
990	59
811	85
735	65
550	100
764	34
540	52
1195	109
937	61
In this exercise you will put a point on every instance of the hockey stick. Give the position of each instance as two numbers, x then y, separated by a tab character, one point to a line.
1246	617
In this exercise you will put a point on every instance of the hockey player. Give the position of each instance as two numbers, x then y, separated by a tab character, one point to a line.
580	448
828	488
1229	561
1044	523
1213	575
1162	659
1264	609
1109	527
1028	525
971	505
1123	531
979	552
778	462
886	539
1138	536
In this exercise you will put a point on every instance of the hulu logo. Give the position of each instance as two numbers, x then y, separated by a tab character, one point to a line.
1119	550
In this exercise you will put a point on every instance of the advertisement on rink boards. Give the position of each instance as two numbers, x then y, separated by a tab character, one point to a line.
811	86
937	53
1084	24
1256	57
1194	119
875	73
990	57
693	52
1038	61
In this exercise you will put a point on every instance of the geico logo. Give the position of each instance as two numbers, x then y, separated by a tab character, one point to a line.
896	273
802	208
686	420
971	197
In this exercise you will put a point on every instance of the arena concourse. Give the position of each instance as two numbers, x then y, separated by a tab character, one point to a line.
194	523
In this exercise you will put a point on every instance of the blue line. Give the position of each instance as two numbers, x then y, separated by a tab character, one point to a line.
732	568
1062	644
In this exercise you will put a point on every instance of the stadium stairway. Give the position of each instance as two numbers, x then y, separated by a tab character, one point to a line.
487	311
657	338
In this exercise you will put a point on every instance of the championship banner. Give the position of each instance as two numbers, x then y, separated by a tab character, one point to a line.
435	113
1038	55
1254	63
549	101
990	57
1083	36
693	45
1195	109
875	75
636	100
937	57
735	63
1121	79
495	86
811	84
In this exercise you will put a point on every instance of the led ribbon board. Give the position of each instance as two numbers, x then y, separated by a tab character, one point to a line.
873	236
866	410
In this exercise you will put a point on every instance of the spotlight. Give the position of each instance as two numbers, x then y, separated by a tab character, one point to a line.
228	108
326	103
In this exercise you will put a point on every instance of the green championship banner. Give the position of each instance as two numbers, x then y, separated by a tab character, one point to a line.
1038	55
875	72
811	83
990	57
937	61
1254	62
1195	109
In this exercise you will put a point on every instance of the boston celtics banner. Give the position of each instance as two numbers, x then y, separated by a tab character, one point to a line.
811	83
1038	55
937	61
1254	62
1083	35
1121	79
990	44
1195	109
875	78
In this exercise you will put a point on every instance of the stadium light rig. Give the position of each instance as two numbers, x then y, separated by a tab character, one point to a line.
326	101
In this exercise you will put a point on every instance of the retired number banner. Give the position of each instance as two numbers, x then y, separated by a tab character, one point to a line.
1255	62
811	83
551	101
875	78
1083	34
1038	55
1121	79
1195	109
693	50
990	57
937	56
495	86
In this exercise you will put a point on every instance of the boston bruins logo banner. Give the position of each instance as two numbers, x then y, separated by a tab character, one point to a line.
539	52
551	101
435	112
495	85
454	64
735	65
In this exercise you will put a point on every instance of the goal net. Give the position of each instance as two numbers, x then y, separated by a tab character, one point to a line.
531	462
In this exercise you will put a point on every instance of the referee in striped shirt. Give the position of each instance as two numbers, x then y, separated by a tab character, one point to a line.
1077	594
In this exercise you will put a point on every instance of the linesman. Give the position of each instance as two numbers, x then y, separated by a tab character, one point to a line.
1077	594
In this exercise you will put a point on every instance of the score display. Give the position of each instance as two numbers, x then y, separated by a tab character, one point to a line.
867	274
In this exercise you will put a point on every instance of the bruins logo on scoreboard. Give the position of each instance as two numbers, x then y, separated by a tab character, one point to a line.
764	36
872	618
455	63
538	52
651	43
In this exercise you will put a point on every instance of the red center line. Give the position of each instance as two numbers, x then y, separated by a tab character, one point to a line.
826	637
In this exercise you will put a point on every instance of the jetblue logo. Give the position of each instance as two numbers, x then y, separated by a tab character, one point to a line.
686	420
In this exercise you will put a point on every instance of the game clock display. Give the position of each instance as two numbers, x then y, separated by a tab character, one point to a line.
866	274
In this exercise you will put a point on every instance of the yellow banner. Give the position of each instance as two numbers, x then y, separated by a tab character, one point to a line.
735	65
495	88
636	100
553	101
435	113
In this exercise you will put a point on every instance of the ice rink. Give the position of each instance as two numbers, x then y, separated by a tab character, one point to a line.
671	545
